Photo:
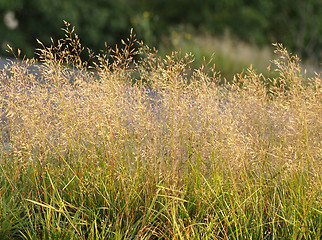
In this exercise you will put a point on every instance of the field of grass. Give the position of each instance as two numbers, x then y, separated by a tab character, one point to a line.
171	154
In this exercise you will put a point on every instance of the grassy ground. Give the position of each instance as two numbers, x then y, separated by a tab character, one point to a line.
174	156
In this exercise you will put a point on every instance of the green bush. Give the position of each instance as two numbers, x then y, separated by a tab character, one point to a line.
296	23
96	21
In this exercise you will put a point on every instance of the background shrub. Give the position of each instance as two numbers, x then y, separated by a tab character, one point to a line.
295	23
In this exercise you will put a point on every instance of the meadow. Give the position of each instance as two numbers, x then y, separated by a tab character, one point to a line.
135	146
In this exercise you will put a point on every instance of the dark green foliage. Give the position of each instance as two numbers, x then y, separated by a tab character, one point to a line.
96	22
297	24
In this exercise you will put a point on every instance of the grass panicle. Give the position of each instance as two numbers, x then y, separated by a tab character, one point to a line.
129	145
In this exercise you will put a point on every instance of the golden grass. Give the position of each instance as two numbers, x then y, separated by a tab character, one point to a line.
108	141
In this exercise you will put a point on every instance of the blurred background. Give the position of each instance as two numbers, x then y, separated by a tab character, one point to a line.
240	32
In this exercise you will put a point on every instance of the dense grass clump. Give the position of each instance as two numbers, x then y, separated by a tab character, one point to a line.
147	148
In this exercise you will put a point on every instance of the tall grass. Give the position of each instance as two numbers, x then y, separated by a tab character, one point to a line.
171	155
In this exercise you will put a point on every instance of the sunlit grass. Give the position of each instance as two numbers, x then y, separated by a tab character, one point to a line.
174	155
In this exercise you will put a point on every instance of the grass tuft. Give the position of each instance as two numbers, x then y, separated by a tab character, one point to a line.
144	147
